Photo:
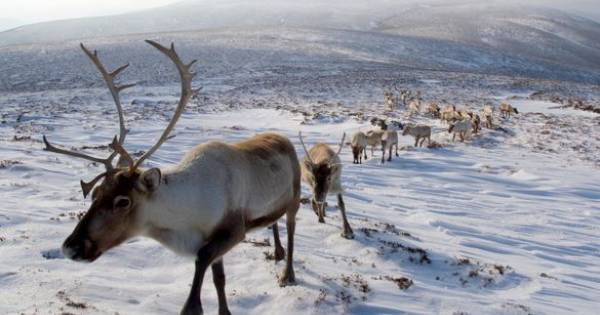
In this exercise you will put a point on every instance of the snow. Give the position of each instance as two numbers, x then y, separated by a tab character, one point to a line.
528	106
501	224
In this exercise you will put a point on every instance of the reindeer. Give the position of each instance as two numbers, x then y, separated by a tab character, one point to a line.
389	139
201	207
434	110
488	115
373	140
419	132
506	110
359	146
322	172
462	128
389	101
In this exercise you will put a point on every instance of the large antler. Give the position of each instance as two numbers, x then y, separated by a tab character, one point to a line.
304	146
109	78
341	144
186	94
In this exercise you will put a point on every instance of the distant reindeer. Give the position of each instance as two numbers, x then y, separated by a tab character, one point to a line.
373	140
434	110
202	207
389	140
359	146
475	123
419	132
488	115
414	107
322	172
462	128
389	101
402	95
449	114
506	110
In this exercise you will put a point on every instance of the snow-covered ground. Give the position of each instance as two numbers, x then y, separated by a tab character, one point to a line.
507	223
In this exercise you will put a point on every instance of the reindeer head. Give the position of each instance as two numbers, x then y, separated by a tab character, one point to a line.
113	216
321	173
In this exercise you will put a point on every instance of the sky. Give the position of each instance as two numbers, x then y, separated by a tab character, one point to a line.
21	12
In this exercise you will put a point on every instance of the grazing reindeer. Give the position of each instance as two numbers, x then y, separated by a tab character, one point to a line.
434	110
419	132
462	128
201	207
389	139
506	110
322	171
359	146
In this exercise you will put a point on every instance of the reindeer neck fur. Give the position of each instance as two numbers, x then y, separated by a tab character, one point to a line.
215	180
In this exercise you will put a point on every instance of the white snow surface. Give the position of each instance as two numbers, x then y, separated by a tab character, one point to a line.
507	223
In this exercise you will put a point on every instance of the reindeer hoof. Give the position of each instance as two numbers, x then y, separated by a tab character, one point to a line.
192	308
348	235
321	220
288	278
224	312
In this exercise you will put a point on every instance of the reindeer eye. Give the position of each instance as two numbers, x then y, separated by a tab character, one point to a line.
122	202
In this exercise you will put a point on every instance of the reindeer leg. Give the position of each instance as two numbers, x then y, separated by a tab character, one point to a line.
219	281
416	142
222	240
397	150
288	276
365	152
390	153
279	251
347	233
315	206
321	212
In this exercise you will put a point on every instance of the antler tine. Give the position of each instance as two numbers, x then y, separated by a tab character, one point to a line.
109	78
304	146
186	93
49	147
118	148
341	144
87	187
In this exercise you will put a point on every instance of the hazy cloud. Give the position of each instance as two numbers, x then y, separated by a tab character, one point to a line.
13	13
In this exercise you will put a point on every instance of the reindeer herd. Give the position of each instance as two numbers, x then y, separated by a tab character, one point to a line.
205	205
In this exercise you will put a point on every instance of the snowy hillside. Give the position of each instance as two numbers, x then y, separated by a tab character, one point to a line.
503	224
456	36
506	223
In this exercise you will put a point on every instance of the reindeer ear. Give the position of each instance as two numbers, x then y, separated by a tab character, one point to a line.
150	180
